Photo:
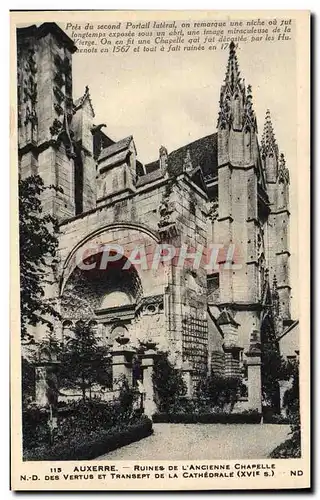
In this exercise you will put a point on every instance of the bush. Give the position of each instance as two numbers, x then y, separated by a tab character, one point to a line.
78	446
207	418
291	448
272	418
83	418
35	427
27	381
218	392
168	383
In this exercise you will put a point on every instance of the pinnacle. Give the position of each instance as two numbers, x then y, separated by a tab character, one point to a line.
284	175
232	73
187	161
268	143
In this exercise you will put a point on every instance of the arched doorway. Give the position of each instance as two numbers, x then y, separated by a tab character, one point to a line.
104	295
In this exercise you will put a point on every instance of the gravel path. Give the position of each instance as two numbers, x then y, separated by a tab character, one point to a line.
204	442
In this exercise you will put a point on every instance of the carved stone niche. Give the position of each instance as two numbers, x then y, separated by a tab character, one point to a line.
152	305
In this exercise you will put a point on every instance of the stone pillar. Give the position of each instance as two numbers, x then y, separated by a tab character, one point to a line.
121	365
254	383
147	365
46	384
187	377
284	385
254	373
41	385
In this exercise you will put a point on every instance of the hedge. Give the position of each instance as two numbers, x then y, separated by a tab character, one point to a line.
208	418
80	447
275	419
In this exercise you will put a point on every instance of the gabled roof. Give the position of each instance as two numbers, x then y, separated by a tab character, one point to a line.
203	153
117	159
100	141
152	176
288	329
115	148
78	103
225	318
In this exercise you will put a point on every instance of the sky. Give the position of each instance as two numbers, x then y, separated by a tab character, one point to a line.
172	98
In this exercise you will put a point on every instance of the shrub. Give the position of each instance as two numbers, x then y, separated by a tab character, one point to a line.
27	381
168	383
218	392
207	418
35	427
82	418
127	398
291	448
80	446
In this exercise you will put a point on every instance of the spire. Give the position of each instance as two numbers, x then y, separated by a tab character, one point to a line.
233	98
232	77
283	175
269	145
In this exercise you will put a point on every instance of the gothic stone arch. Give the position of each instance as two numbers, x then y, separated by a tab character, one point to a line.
122	290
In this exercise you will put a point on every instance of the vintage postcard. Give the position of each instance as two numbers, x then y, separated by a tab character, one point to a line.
160	172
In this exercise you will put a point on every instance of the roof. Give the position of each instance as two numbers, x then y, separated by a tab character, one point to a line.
43	30
114	160
203	153
225	318
100	141
78	103
152	176
115	148
214	320
288	329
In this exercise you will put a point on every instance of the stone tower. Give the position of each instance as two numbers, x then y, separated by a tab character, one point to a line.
277	178
243	211
243	202
45	111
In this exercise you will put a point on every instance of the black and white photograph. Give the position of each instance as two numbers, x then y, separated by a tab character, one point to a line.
161	333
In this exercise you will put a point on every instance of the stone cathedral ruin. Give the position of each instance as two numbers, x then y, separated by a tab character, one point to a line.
230	187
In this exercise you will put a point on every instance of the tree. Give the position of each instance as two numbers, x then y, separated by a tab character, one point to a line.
168	383
38	246
83	361
220	392
273	369
273	366
27	381
291	400
291	448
